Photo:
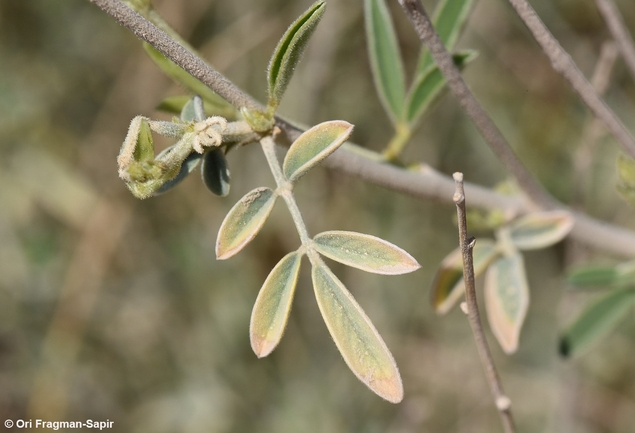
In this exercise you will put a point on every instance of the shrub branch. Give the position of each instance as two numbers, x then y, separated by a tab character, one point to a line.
565	66
503	403
426	184
619	32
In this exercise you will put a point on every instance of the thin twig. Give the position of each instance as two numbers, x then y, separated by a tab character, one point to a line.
620	33
499	145
427	184
593	129
565	66
503	403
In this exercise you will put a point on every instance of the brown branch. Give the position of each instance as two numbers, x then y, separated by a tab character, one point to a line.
427	184
503	403
620	33
565	66
499	145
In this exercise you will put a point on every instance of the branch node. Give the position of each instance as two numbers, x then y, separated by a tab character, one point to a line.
503	403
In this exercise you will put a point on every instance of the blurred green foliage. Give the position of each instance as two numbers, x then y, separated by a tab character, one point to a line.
111	308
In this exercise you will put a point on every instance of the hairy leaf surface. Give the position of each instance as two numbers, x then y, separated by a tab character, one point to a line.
385	58
365	252
313	146
244	221
507	299
289	51
540	229
355	336
187	167
271	310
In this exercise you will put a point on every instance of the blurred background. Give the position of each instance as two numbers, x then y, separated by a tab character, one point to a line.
115	308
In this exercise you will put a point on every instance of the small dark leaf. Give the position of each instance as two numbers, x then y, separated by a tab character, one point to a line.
215	172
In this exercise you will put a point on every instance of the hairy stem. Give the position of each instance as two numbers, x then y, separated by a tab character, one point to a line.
427	184
565	66
285	190
503	403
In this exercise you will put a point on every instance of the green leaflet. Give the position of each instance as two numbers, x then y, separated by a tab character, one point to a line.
215	172
355	336
540	229
171	69
144	151
385	58
448	285
428	87
272	307
507	299
449	19
365	252
313	146
289	51
244	221
596	320
594	276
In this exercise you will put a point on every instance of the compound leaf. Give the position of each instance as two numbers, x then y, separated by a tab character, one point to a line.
272	307
385	58
313	146
365	252
540	229
596	320
289	51
355	336
507	299
244	221
448	285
